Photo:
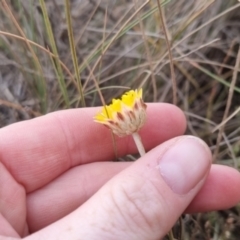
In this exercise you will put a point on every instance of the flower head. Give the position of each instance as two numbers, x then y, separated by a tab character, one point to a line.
124	116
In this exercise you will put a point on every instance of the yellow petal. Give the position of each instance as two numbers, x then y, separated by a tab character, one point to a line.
116	105
107	112
99	117
129	98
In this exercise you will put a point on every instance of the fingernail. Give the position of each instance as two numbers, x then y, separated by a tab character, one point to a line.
184	164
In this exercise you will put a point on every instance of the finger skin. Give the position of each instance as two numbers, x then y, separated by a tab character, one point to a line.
37	151
137	203
12	204
221	191
73	188
6	229
68	192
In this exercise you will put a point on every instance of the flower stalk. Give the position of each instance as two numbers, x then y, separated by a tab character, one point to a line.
138	142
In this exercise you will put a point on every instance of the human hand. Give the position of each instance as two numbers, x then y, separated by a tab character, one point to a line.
56	169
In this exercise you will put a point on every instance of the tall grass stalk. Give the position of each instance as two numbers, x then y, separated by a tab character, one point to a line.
59	72
173	77
73	51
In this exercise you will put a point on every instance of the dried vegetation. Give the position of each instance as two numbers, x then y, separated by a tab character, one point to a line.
120	45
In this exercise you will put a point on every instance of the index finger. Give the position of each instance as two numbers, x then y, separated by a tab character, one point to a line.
37	151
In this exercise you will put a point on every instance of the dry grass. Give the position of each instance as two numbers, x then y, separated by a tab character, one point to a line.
115	45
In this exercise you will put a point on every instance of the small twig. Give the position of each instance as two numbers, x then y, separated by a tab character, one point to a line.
173	77
229	101
226	120
18	107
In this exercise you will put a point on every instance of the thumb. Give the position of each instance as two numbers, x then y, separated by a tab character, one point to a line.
143	201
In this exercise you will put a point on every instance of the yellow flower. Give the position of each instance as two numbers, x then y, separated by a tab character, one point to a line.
124	116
